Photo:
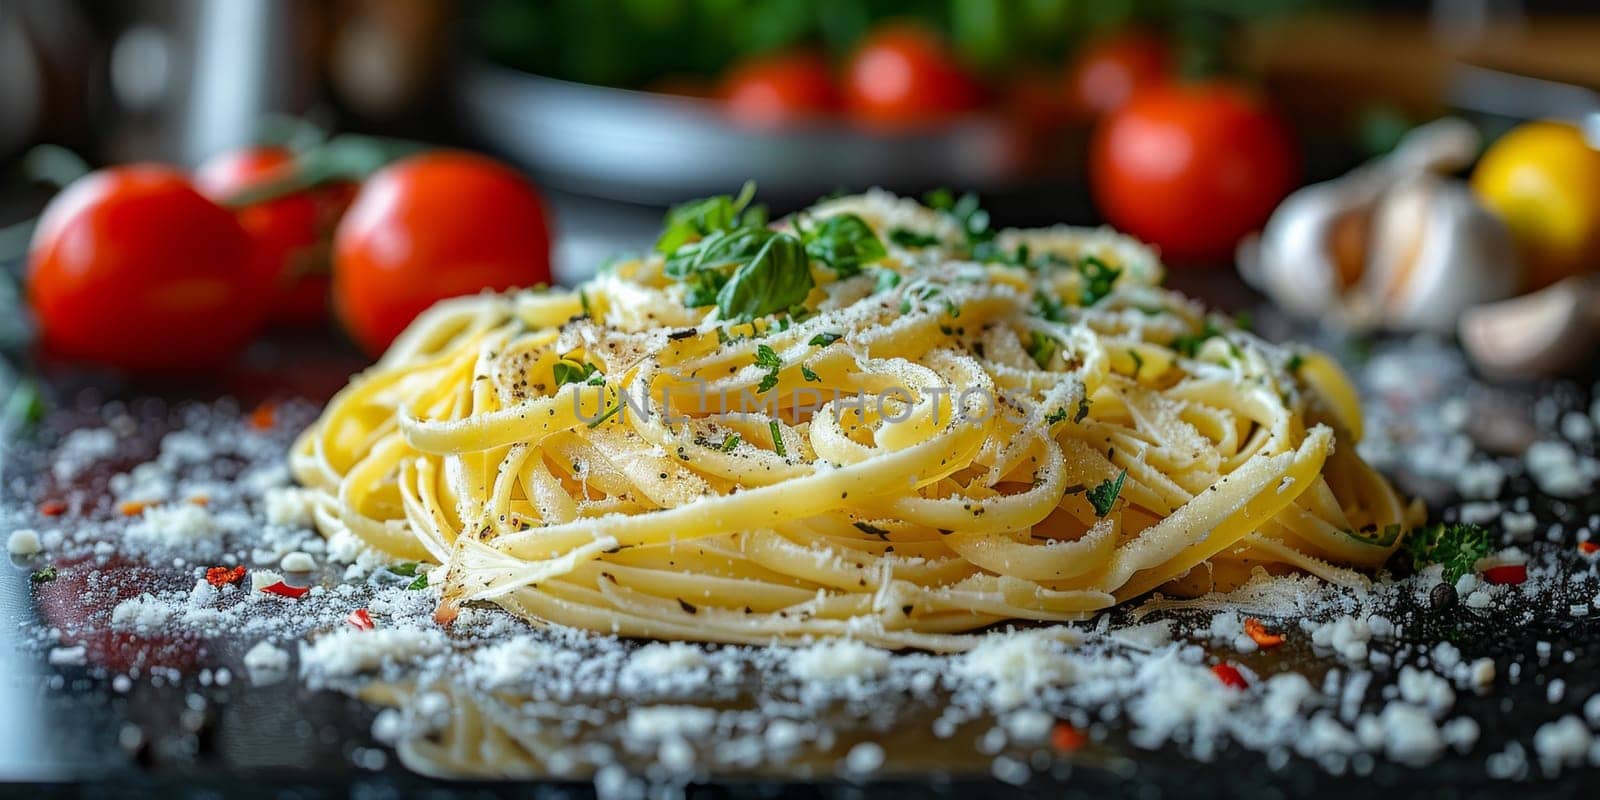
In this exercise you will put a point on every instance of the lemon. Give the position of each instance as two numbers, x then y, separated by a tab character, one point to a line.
1543	179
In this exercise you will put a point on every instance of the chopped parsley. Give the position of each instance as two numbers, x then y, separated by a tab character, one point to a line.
44	575
1048	307
1104	496
1041	348
1055	416
1295	362
583	300
844	243
406	569
806	373
767	359
824	339
1189	344
886	279
729	443
1138	362
610	412
909	238
1457	546
1098	279
1083	410
420	583
777	439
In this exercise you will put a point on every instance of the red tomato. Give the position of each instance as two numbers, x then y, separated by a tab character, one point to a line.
432	226
902	74
290	232
132	268
775	90
1105	74
1191	169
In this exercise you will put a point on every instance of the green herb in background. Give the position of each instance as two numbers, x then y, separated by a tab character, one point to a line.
44	575
1457	546
644	43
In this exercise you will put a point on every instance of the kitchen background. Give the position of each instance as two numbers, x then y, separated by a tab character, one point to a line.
1051	110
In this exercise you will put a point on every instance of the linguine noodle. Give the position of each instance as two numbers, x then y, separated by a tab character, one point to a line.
923	449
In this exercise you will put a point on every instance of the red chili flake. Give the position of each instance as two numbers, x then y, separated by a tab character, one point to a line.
1506	574
446	613
52	508
200	500
361	619
264	416
285	590
1589	548
1258	634
1066	739
132	508
1230	676
222	576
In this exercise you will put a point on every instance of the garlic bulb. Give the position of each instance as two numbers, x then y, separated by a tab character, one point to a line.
1393	244
1546	332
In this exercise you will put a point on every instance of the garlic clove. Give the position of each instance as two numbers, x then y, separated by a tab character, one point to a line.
1390	244
1547	332
1434	253
1291	261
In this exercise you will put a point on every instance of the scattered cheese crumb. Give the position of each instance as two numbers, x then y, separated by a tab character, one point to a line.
23	542
298	562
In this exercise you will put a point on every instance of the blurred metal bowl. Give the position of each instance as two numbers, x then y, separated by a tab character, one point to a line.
653	148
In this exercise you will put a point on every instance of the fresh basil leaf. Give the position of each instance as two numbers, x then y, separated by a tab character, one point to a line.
777	277
566	372
698	218
717	251
703	289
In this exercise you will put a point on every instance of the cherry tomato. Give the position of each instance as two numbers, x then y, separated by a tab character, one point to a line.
1191	169
432	226
1105	73
774	90
903	74
133	268
291	233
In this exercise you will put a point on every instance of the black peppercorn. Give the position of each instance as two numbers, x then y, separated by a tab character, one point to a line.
1443	597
